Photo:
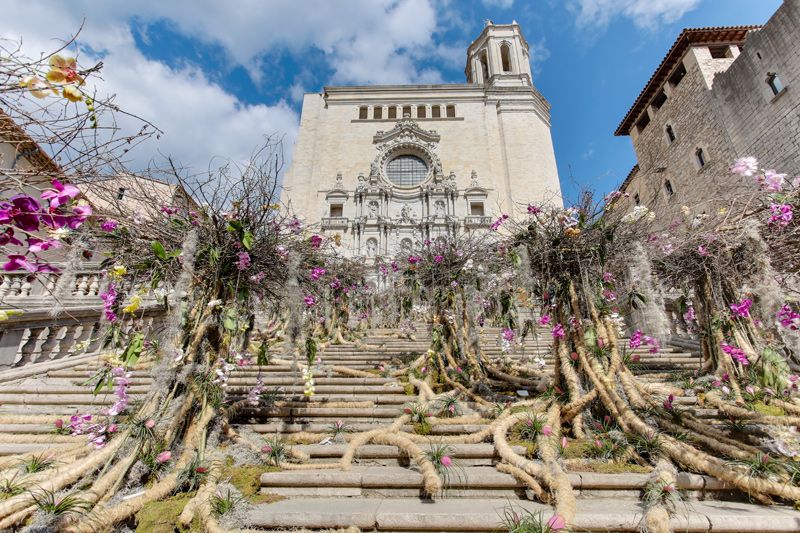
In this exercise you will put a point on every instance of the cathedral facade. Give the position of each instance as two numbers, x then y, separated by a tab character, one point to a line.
386	167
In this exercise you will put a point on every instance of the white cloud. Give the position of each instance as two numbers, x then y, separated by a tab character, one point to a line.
365	42
503	4
643	13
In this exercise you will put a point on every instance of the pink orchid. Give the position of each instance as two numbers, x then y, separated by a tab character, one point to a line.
772	181
742	309
316	241
109	225
60	194
556	522
780	214
745	166
164	457
545	320
558	331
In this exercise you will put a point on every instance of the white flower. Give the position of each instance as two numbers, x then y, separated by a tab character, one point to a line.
639	212
214	303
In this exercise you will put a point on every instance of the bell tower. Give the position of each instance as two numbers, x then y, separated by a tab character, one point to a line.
500	57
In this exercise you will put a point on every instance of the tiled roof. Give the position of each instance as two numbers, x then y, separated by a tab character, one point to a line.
11	132
687	38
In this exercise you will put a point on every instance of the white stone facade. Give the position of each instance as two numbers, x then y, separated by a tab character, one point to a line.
388	166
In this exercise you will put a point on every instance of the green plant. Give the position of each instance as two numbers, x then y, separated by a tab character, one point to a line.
449	406
529	522
660	492
443	460
191	477
11	487
648	446
762	465
530	428
339	428
419	417
49	503
205	384
275	450
223	504
37	463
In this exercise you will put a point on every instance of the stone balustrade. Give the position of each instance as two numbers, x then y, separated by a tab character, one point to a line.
35	336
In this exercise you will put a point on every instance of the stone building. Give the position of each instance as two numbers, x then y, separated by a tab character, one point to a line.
388	166
719	94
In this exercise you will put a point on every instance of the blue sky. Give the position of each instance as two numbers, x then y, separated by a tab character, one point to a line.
217	77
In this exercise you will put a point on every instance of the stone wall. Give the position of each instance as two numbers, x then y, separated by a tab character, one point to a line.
758	122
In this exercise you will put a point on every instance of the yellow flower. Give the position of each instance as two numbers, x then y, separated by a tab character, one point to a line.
64	70
722	210
72	93
572	232
37	86
136	301
337	238
117	271
5	315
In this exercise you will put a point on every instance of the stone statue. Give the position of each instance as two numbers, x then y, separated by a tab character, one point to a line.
373	206
372	247
362	184
406	214
473	179
439	208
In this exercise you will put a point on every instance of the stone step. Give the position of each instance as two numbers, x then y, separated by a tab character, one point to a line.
467	454
324	428
485	515
464	480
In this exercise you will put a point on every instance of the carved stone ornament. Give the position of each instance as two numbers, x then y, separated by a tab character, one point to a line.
405	138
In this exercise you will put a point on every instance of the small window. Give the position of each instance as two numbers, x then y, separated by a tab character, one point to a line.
120	193
678	75
451	111
377	113
719	52
700	157
406	111
659	100
668	187
392	111
775	83
637	199
670	133
484	67
336	210
436	111
643	122
505	57
421	111
363	113
476	209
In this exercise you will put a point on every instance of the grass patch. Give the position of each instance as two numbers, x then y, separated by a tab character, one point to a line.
162	516
603	467
530	447
247	480
577	449
769	410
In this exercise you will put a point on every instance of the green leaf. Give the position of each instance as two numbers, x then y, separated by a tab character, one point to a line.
230	319
158	249
133	351
247	240
311	350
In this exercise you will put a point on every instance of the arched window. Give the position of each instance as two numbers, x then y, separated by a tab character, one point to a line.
392	111
668	187
406	111
406	170
436	111
670	134
505	57
484	67
421	111
700	157
363	112
377	112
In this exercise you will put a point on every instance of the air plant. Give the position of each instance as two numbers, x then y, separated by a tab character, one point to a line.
761	466
419	417
530	428
11	487
529	522
224	504
449	406
660	492
443	460
48	502
37	463
648	446
339	428
275	450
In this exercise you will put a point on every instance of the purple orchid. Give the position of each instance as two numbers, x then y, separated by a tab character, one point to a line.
60	194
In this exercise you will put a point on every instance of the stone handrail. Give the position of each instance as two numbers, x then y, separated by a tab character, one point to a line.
477	220
35	335
20	289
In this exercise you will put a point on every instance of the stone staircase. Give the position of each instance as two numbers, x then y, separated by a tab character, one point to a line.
382	490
